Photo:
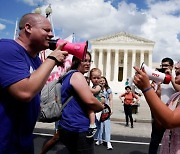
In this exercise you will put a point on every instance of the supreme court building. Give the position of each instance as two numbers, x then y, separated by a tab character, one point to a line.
115	55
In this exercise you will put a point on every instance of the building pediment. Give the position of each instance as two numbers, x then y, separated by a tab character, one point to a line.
121	37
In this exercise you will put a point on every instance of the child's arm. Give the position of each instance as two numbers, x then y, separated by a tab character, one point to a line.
103	100
96	89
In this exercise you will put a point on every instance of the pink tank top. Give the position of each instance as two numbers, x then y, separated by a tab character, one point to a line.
171	138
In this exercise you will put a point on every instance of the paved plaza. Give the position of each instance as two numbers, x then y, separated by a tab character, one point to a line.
142	124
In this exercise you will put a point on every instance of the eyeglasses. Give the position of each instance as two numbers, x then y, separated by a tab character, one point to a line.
87	61
165	65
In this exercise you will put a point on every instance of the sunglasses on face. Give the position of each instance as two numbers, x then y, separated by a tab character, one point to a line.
165	65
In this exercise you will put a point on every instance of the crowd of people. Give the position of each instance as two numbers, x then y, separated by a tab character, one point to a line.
23	76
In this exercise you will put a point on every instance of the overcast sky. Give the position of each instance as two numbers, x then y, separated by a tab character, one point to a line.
156	20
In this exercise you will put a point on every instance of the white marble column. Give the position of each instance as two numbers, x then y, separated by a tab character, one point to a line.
141	57
125	65
100	64
133	62
108	65
93	59
150	59
116	66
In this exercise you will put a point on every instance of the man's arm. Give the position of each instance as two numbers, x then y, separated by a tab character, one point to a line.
176	86
25	90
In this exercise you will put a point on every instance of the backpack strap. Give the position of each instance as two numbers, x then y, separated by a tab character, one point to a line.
65	74
66	102
57	92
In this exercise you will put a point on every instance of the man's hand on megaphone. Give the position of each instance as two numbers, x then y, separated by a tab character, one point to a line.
168	71
158	91
59	55
141	79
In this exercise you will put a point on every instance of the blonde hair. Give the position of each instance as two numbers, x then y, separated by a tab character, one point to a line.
94	70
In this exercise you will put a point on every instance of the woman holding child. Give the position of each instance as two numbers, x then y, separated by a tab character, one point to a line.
74	124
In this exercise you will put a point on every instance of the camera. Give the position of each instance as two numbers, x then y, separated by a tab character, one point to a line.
162	70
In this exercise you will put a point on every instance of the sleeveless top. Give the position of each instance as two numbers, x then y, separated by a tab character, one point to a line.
106	94
75	114
128	98
171	138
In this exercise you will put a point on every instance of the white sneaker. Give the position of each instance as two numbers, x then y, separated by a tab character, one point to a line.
98	142
109	146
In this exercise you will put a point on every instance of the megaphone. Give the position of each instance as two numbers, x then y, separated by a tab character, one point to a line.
77	49
155	75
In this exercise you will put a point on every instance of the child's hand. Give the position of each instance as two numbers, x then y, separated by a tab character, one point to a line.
102	100
96	90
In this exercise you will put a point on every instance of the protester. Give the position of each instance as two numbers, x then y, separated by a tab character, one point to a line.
105	127
167	115
85	68
50	143
127	82
21	79
74	123
164	91
128	102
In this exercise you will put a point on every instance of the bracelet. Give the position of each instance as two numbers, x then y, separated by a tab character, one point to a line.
147	89
53	58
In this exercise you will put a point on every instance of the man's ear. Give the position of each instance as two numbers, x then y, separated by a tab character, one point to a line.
28	27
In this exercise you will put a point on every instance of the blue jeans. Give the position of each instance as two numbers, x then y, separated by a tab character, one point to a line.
104	131
76	143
